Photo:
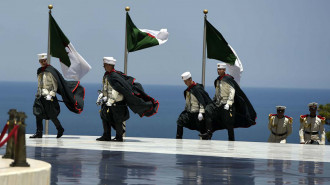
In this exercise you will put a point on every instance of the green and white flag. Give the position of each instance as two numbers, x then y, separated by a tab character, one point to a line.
219	49
138	39
73	65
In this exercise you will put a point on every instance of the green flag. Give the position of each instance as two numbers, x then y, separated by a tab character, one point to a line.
58	42
138	39
217	47
73	65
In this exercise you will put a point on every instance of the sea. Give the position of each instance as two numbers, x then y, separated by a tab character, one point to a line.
20	96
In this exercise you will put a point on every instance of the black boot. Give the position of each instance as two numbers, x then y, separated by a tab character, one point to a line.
104	137
118	138
106	132
179	132
60	132
119	133
38	134
207	135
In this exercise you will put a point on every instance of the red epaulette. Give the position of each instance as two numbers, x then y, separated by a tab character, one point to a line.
304	116
322	118
288	117
271	115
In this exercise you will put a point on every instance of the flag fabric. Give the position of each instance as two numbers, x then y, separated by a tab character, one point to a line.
138	39
235	70
219	49
73	65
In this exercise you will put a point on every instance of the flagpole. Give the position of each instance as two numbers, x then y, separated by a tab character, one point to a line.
204	49
50	7
127	8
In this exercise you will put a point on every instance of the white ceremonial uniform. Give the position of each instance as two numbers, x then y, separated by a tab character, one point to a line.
47	84
280	128
192	104
112	95
312	129
224	93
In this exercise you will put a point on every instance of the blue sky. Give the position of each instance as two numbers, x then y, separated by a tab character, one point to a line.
280	43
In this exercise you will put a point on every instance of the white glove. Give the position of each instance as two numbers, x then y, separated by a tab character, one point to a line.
109	104
98	101
52	93
48	97
44	92
200	116
105	99
226	107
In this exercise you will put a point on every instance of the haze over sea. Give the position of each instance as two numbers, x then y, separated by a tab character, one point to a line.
20	96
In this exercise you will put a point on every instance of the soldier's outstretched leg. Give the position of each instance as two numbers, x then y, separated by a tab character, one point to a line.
59	127
106	132
38	133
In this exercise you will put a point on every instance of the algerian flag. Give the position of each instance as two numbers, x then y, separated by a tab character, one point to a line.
73	65
143	38
235	70
219	49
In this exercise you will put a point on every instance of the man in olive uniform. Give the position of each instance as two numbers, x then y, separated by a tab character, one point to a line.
196	100
312	127
230	108
46	94
114	110
279	125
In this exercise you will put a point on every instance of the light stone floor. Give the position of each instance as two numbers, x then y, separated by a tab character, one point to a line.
83	160
214	148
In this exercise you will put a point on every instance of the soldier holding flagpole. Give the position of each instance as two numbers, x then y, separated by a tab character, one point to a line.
230	108
51	81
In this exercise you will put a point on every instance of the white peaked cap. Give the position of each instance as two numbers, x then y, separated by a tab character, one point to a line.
280	107
42	56
221	65
186	75
109	60
312	104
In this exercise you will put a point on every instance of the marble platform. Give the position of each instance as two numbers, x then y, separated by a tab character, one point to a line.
83	160
37	174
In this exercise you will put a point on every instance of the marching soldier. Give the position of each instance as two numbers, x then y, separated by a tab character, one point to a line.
196	100
120	91
46	106
230	108
114	110
312	127
46	96
279	125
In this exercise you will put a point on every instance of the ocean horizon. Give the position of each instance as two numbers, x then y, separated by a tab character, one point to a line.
20	96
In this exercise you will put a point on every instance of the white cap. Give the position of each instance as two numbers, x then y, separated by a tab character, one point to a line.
186	75
312	104
221	65
42	56
109	60
280	107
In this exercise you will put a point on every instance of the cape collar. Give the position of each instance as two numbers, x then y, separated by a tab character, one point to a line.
191	86
108	73
221	77
44	68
